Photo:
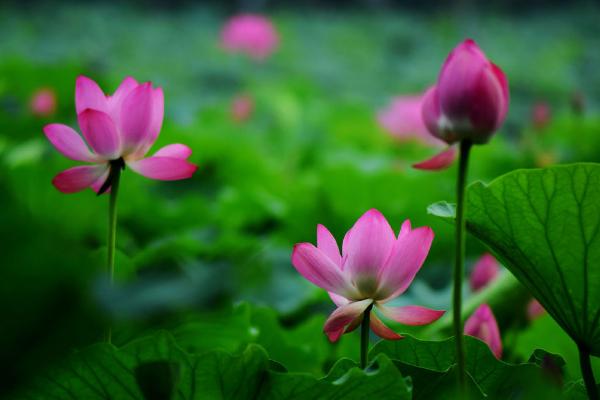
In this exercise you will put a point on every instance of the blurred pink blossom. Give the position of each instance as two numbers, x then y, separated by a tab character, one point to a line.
242	107
482	325
402	118
251	34
540	115
43	102
119	129
486	269
374	268
534	309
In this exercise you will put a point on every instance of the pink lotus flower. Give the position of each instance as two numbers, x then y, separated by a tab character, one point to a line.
374	268
534	310
540	115
470	100
484	272
242	107
402	118
119	129
251	34
483	325
43	102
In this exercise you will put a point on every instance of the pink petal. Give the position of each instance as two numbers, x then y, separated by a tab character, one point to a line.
174	151
115	102
158	110
78	178
89	95
100	132
316	267
327	244
367	246
136	116
407	257
405	229
482	325
338	300
484	272
163	168
382	330
97	185
69	143
440	161
432	114
342	317
410	315
501	77
534	310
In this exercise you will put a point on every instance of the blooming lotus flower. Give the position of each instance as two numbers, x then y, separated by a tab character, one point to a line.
251	34
483	325
117	130
242	107
375	267
486	269
470	99
43	102
402	118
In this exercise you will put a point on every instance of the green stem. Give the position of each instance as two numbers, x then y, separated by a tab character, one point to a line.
587	373
364	337
114	179
465	147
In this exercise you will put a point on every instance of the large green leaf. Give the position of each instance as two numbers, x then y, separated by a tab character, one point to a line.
426	362
543	225
157	368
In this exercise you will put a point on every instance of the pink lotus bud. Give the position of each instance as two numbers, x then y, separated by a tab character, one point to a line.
534	310
470	99
43	102
484	272
482	325
251	34
540	115
242	107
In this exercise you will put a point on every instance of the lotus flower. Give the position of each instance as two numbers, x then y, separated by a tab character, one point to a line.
251	34
483	325
374	268
43	102
470	100
117	130
402	119
242	107
486	269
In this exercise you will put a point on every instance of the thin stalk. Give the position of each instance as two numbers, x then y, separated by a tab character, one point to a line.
459	252
364	337
587	373
113	182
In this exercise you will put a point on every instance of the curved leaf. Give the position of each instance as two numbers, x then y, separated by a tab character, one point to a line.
544	225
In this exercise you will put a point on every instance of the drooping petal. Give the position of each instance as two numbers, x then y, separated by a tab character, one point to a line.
338	300
382	330
367	246
89	95
482	325
316	267
327	244
163	168
69	143
97	185
407	257
100	132
343	316
78	178
136	117
175	151
439	161
411	315
484	272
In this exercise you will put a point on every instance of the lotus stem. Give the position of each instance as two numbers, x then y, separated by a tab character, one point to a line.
364	337
458	273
